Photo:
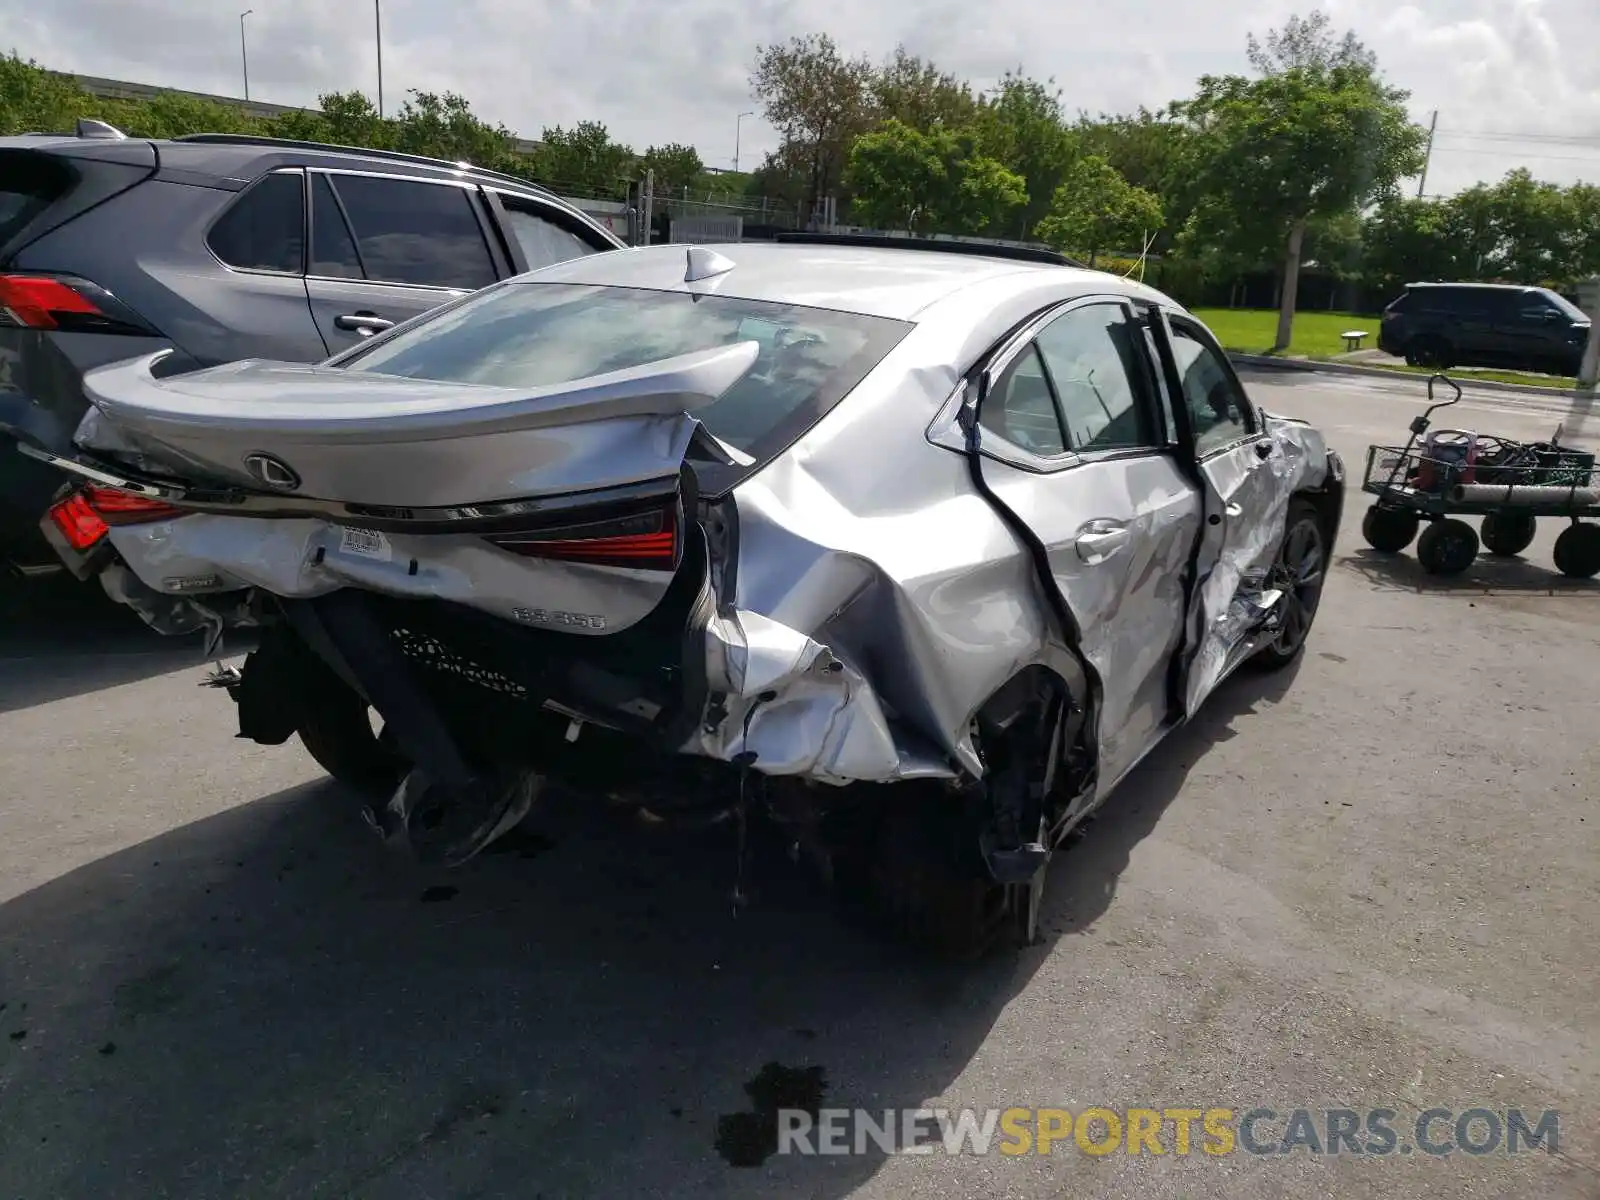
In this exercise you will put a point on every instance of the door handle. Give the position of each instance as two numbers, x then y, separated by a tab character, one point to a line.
364	323
1264	448
1099	540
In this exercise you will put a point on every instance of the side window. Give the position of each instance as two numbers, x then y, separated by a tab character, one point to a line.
420	233
333	250
1217	411
1021	409
543	242
265	229
1091	354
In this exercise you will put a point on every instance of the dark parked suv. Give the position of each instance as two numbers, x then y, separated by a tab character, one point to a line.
1485	325
224	248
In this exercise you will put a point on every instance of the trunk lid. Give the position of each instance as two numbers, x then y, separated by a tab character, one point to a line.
359	438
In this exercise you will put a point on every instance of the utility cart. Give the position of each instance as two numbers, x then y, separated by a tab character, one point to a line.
1453	473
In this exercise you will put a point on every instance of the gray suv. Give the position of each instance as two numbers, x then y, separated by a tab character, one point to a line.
228	247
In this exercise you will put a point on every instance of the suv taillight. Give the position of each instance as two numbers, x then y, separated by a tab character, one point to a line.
85	516
68	304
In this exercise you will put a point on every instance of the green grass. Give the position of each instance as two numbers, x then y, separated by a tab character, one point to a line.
1470	374
1316	334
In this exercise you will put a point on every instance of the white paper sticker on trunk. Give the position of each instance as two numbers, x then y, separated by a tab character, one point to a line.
368	543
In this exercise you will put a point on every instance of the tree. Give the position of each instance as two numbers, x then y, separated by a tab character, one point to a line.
676	166
444	126
1299	144
1307	43
1535	226
1583	252
933	181
1096	209
818	101
896	175
1019	125
34	100
1152	151
914	92
986	194
343	118
584	160
1407	238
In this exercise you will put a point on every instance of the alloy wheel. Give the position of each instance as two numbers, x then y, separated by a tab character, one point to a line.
1302	564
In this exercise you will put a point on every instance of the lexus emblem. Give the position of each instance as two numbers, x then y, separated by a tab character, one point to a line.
273	472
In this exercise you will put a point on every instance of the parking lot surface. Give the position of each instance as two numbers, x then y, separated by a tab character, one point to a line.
1369	884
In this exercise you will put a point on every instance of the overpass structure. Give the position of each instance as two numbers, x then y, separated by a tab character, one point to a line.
121	89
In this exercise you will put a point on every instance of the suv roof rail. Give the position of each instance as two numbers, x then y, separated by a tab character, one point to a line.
252	139
88	127
1033	254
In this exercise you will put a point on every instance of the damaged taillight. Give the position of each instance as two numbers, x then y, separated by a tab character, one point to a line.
117	507
645	541
78	523
85	516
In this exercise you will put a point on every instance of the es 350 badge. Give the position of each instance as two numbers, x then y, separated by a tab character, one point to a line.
563	620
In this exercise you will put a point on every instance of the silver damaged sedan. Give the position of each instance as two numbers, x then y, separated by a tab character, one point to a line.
914	550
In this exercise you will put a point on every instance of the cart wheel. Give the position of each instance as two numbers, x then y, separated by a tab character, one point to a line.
1447	547
1508	533
1389	530
1578	551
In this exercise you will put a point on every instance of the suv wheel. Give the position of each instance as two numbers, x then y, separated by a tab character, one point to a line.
1431	352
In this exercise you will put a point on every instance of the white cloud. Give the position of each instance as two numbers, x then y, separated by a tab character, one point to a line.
656	72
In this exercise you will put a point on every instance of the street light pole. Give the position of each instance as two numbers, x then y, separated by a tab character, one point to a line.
738	128
377	31
244	53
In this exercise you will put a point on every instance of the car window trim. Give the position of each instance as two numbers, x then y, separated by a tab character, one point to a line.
583	229
465	185
311	229
1011	348
1172	426
1055	403
239	198
1191	327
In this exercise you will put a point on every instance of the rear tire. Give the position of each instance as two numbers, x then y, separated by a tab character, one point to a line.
1389	530
1508	534
1447	547
338	733
1433	352
928	880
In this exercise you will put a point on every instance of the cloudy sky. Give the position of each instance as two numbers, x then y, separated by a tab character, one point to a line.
1514	81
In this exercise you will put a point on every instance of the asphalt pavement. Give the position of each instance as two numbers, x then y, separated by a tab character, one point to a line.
1370	883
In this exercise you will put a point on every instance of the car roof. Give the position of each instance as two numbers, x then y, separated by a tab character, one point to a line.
1485	287
231	156
235	158
871	280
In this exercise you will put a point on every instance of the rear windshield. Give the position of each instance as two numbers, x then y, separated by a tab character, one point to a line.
29	183
529	334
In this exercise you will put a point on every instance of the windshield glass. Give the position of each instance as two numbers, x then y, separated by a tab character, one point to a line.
529	334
